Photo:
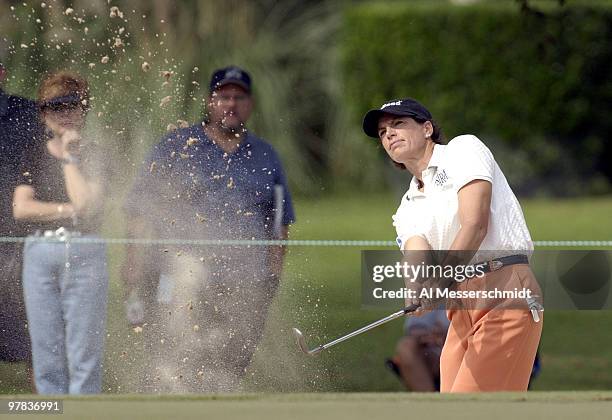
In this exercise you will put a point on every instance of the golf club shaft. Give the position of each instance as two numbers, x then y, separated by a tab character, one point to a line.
368	327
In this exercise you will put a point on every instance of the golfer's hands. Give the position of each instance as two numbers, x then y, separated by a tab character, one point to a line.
415	290
134	308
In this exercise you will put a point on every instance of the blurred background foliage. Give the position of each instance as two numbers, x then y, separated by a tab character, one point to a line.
533	84
287	46
531	78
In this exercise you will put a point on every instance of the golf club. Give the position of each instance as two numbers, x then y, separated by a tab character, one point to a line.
301	341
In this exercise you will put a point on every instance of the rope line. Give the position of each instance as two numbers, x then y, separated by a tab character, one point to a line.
255	242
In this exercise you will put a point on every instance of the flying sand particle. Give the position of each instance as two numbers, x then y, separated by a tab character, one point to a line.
115	12
165	101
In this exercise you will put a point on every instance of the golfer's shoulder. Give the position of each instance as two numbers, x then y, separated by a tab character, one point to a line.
466	145
466	142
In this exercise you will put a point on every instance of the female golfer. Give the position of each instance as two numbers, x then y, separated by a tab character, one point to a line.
64	281
460	201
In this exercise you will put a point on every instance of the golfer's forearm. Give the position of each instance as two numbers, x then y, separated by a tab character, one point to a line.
466	243
417	252
474	211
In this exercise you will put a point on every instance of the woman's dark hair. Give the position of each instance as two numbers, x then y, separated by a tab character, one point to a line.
436	137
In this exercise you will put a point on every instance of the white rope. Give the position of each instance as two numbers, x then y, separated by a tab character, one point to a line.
255	242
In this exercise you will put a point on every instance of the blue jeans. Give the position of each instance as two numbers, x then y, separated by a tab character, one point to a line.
65	287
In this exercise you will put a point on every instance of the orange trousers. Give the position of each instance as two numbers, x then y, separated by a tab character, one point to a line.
491	344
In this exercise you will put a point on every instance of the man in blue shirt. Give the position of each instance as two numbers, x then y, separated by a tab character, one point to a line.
214	180
18	124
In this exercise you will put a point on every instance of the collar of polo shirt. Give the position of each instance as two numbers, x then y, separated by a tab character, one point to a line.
428	174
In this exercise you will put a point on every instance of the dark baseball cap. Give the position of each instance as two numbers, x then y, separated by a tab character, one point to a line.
407	107
231	75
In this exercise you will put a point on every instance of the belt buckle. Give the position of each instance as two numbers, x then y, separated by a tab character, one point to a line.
495	265
62	234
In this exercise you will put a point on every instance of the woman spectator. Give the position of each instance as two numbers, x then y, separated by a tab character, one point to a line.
65	278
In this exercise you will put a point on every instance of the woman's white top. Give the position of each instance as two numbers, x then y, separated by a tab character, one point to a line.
433	213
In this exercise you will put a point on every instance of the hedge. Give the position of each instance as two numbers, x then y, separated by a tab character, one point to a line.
535	86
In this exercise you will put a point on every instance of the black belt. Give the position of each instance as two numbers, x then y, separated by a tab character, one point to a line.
497	263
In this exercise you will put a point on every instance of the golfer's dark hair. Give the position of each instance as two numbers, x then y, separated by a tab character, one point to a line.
437	137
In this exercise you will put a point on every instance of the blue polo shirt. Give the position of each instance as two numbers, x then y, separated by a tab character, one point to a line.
189	188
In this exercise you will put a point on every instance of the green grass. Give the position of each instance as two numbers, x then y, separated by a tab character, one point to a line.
320	294
321	406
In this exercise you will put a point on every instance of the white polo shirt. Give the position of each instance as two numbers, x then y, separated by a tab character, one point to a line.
433	213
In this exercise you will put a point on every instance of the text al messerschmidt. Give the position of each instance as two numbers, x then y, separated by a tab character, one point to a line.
443	293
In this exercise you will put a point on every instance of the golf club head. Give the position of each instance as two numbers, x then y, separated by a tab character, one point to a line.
301	342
